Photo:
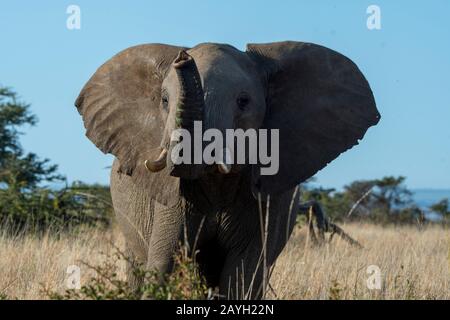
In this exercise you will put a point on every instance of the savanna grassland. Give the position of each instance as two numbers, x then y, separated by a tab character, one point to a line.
414	263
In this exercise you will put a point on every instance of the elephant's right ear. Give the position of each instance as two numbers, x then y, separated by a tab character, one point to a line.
120	104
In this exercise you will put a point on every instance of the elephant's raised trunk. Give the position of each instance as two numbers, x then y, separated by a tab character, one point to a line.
190	103
189	108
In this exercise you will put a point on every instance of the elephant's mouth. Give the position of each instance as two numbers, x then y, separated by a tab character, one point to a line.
189	109
187	170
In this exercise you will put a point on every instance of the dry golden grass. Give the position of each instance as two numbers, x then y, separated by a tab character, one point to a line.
414	264
29	264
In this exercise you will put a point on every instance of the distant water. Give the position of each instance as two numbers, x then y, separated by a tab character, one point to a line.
427	197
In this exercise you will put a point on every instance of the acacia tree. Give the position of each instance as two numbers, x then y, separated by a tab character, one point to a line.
380	200
443	208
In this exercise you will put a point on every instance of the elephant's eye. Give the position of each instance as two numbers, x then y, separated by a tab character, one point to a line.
243	100
165	100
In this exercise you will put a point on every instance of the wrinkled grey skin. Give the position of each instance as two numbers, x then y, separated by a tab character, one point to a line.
317	98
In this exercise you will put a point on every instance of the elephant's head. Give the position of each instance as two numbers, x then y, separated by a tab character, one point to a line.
220	88
317	98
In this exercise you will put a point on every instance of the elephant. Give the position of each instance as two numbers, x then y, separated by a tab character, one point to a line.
233	218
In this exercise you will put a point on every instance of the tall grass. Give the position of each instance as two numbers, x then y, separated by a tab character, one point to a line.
29	263
414	263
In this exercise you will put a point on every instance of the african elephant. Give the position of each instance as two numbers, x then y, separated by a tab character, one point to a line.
238	219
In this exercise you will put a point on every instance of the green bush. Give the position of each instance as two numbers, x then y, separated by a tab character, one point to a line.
40	209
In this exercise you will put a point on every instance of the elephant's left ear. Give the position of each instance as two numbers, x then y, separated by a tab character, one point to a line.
320	102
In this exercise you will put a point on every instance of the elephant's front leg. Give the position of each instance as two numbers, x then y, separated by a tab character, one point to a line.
256	246
243	274
166	235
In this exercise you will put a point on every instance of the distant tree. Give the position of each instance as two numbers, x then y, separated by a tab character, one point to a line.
387	196
442	207
25	202
18	169
392	193
379	200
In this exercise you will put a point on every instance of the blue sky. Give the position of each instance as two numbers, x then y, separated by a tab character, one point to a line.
407	63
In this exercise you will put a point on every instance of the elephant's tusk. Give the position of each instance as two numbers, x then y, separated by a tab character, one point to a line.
224	162
224	168
158	164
